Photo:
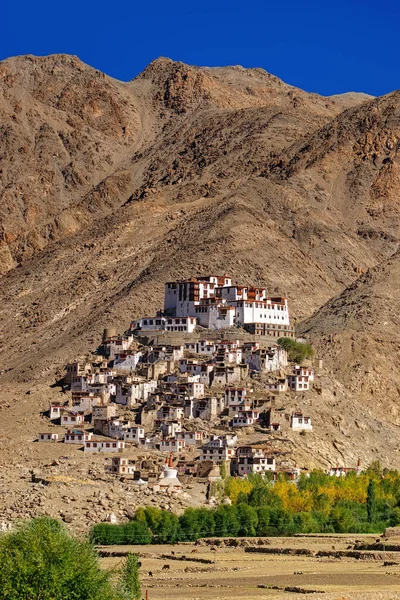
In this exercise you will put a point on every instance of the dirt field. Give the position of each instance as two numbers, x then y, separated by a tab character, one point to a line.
238	574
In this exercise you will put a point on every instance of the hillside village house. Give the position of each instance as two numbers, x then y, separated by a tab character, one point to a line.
218	449
192	438
76	369
266	360
298	422
134	434
300	378
104	411
48	437
55	410
304	372
129	394
207	408
122	466
298	383
276	386
106	445
170	428
172	445
77	437
245	418
72	419
275	426
235	399
206	347
116	428
252	459
127	360
343	471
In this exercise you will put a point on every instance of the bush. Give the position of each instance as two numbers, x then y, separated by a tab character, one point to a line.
297	351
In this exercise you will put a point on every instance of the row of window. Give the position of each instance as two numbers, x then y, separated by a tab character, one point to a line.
107	444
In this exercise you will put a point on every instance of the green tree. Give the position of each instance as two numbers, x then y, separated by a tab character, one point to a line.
371	501
248	519
42	561
226	521
222	470
129	583
342	520
297	351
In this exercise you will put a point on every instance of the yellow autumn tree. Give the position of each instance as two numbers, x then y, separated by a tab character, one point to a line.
234	486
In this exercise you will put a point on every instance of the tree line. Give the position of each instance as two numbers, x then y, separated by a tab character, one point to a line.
319	503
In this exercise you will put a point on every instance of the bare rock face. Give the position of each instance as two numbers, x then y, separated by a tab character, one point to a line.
64	128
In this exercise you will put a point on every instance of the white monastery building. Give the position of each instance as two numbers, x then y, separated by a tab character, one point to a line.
214	303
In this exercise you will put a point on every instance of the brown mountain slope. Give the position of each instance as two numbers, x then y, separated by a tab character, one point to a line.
358	333
74	141
350	167
64	129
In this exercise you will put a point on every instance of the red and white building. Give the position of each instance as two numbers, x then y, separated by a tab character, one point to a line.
217	304
245	418
277	386
77	437
72	419
253	459
122	466
99	445
299	422
298	383
48	437
172	445
183	323
192	438
218	449
55	411
134	434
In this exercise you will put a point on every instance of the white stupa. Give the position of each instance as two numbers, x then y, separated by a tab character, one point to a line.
168	481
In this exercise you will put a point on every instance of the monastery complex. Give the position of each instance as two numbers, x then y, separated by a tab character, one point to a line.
222	391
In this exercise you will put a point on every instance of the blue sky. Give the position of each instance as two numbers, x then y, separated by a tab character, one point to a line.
321	46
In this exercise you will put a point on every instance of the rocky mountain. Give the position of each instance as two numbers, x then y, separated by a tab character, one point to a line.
110	188
358	333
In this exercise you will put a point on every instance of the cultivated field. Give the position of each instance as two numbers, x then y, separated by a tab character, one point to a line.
238	572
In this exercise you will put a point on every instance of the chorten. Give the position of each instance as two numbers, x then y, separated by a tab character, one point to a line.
169	481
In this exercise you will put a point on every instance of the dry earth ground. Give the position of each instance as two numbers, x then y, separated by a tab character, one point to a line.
238	574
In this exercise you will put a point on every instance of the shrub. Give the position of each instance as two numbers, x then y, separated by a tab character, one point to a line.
41	560
297	351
